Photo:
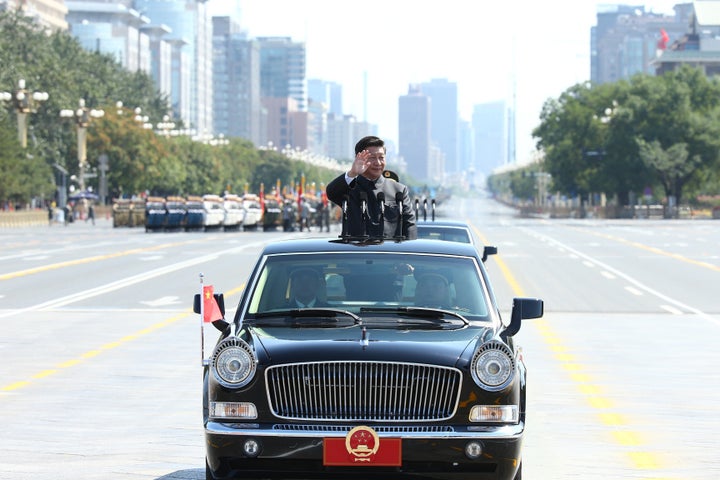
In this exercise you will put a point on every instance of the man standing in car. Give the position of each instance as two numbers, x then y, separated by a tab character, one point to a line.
372	198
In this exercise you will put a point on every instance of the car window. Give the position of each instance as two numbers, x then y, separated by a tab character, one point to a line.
450	234
351	281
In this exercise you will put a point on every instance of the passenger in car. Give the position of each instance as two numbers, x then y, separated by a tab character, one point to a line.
432	290
306	289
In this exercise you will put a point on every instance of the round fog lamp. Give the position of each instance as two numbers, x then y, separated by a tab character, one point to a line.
251	448
473	450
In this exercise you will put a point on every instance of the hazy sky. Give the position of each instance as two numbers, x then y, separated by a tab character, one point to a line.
523	52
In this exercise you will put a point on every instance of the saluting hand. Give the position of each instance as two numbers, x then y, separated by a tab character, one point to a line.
361	163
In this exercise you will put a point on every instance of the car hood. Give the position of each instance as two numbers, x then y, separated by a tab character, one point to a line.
292	345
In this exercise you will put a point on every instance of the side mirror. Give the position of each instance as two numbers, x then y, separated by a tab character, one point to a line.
523	308
487	251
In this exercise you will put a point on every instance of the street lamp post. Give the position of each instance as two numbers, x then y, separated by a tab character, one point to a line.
24	103
166	126
83	116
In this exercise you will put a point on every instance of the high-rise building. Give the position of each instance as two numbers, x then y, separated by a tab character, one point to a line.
444	119
414	113
317	127
236	74
48	13
490	130
700	46
341	137
190	24
161	57
329	93
282	69
111	28
287	126
363	129
625	40
466	145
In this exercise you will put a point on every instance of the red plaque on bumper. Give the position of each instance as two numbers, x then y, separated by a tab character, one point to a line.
362	447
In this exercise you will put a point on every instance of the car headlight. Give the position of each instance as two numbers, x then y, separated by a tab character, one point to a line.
233	363
493	366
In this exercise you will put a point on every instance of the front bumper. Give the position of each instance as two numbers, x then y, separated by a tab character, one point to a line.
426	452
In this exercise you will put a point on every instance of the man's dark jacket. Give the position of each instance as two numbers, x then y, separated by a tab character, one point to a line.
338	189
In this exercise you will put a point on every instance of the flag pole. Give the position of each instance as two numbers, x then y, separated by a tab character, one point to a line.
202	321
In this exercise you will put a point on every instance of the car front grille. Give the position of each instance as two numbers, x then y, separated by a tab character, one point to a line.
363	391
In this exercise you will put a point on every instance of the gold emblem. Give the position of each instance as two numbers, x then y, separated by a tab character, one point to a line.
362	443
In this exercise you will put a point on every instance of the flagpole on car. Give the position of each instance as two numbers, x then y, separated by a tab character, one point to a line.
202	320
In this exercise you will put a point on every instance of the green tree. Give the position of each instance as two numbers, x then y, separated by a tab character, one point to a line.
672	166
139	160
22	176
591	135
671	113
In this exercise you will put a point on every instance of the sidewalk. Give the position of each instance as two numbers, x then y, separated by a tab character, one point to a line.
39	218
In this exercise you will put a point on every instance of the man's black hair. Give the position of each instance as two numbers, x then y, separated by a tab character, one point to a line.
369	141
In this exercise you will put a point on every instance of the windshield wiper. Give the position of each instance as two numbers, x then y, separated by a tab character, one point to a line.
310	313
418	312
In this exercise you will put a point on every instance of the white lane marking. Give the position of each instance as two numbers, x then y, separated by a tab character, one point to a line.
627	278
633	290
162	301
608	275
673	310
588	264
93	292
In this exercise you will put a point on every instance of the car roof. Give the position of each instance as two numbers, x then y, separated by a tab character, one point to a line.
443	223
336	245
445	226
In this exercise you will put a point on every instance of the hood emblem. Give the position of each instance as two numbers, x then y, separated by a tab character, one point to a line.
365	338
362	442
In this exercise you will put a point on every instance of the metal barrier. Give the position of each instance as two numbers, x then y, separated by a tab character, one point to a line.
24	218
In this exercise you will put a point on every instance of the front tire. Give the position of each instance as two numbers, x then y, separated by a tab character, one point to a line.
208	473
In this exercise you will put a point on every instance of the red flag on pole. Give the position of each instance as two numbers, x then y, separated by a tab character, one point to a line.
664	39
211	310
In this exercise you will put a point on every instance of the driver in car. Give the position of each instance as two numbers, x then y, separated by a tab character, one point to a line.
433	291
305	286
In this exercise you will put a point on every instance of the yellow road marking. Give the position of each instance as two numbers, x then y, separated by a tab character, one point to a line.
573	367
600	403
613	419
644	460
108	346
640	460
93	353
565	357
627	438
503	267
589	389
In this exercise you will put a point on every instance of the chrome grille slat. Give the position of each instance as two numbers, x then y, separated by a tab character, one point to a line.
363	391
346	428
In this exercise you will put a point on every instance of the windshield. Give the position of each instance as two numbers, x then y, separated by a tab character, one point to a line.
450	234
369	282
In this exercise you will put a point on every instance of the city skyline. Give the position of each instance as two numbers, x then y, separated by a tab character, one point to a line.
499	53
